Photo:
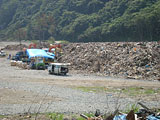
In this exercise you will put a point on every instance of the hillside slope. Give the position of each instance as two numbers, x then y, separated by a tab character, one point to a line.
80	20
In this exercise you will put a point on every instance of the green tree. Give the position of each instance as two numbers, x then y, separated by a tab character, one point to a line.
20	34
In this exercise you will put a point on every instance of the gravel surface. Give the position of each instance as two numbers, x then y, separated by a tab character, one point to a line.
63	99
34	91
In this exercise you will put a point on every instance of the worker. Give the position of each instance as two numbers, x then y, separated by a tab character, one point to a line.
32	64
9	56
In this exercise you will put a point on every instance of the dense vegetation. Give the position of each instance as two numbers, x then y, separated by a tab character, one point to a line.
80	20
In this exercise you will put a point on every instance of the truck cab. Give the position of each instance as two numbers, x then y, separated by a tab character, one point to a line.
58	68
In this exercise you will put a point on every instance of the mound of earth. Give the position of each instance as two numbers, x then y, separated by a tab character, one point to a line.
21	46
15	47
131	60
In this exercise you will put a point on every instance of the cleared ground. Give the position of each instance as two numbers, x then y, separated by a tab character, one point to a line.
34	91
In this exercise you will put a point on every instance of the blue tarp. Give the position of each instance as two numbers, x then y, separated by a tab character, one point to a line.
120	117
151	117
38	53
123	117
51	54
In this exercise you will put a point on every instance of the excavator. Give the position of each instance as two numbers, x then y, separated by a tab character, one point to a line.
32	46
56	49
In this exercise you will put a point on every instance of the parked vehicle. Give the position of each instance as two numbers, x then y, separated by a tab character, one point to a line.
58	68
41	54
2	54
18	56
47	61
37	63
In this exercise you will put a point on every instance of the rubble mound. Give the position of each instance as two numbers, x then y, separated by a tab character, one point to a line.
128	59
21	46
15	47
42	45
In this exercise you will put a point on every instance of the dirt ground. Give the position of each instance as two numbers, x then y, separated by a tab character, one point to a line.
74	78
15	89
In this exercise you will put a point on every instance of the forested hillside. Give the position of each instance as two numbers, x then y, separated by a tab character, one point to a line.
80	20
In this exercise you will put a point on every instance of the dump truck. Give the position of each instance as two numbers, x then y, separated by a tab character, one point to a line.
58	68
37	63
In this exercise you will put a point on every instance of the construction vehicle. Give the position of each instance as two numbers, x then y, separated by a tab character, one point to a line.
56	49
47	61
54	46
32	46
58	68
37	63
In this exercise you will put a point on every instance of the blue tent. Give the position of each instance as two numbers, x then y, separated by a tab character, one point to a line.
38	53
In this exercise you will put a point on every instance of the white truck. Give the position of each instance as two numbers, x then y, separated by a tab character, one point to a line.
2	54
58	68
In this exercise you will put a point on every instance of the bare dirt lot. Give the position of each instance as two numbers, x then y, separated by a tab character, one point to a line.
33	91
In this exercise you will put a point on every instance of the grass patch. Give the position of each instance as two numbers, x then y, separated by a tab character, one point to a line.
60	116
78	117
133	91
89	114
2	116
92	89
133	107
56	116
130	91
46	116
150	91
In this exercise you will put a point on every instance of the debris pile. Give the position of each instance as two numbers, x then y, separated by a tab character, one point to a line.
42	45
122	59
142	114
19	64
21	46
16	47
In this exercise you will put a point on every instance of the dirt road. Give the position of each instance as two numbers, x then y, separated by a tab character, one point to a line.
31	91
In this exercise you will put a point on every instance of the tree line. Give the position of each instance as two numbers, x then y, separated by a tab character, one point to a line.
80	21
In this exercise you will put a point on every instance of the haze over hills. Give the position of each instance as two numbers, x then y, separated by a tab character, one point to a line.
80	20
